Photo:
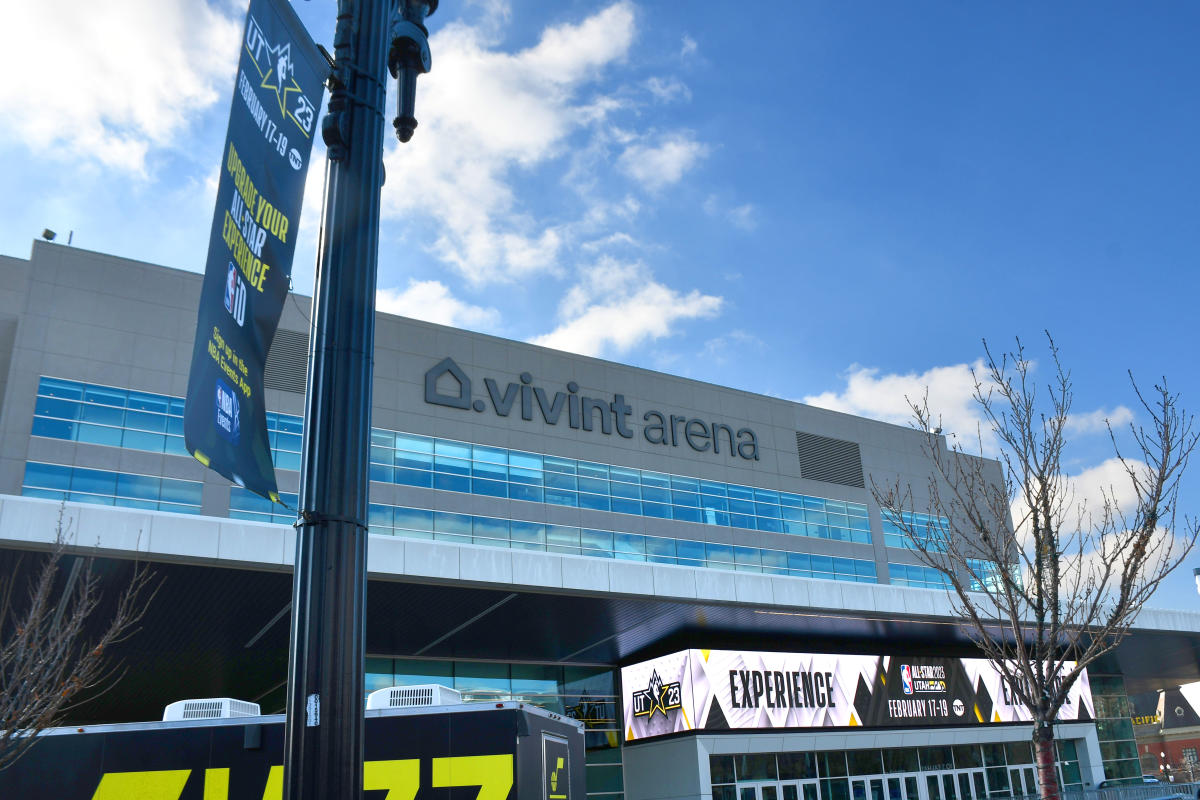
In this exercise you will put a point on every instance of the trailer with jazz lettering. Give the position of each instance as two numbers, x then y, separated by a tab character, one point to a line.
474	751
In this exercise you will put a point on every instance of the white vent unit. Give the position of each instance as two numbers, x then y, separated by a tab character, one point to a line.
210	708
420	696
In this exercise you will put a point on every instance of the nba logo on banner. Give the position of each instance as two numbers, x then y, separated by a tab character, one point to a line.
235	295
228	412
906	678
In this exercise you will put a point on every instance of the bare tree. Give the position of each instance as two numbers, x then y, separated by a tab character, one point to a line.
1044	583
54	650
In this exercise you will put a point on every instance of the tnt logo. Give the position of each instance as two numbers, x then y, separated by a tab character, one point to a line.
228	413
235	295
906	678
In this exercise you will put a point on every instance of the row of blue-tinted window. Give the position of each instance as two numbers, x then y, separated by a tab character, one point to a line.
84	412
447	526
930	530
107	415
103	487
497	472
913	575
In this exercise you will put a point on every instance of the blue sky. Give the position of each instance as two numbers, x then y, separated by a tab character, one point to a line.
827	201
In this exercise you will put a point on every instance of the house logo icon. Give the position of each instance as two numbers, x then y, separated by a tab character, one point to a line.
437	374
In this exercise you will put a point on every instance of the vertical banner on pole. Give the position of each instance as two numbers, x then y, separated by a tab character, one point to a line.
272	123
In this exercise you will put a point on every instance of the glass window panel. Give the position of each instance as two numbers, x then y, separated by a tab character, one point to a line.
598	502
756	767
533	461
629	543
489	488
57	408
93	481
689	553
623	506
628	490
490	531
936	758
446	447
144	421
993	755
774	561
799	562
527	535
403	458
379	517
967	755
94	499
657	510
741	507
451	483
481	678
104	394
797	766
592	470
719	555
656	479
415	519
720	769
453	527
519	491
686	514
412	477
47	476
451	466
728	792
595	540
556	464
660	550
864	762
56	387
532	477
562	539
656	494
625	475
53	428
381	474
747	558
684	484
739	492
681	498
768	524
494	455
1019	752
99	434
561	497
901	759
184	492
557	480
379	438
103	415
283	460
140	487
832	763
593	485
821	563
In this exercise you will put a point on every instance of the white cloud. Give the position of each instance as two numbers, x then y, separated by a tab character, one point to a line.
667	90
687	46
486	114
1097	421
731	345
433	302
744	217
113	79
664	163
620	306
885	397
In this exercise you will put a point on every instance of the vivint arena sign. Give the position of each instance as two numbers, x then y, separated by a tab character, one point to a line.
727	689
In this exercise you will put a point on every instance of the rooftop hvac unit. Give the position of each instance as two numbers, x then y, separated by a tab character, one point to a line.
210	708
430	694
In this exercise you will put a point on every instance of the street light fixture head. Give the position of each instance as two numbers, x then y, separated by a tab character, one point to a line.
408	58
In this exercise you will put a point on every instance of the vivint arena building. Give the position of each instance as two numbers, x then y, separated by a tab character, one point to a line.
698	573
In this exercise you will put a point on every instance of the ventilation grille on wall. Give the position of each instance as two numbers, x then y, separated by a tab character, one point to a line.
287	363
829	460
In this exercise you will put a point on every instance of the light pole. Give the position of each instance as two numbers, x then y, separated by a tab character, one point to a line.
323	734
